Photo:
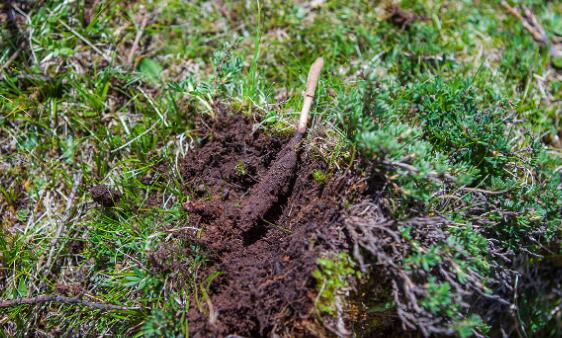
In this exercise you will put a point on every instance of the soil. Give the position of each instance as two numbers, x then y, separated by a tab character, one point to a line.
104	196
401	18
266	258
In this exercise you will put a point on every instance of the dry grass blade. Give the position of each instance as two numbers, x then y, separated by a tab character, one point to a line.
62	299
530	23
140	31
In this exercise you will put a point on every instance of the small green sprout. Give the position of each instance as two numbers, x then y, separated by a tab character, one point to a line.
241	169
320	176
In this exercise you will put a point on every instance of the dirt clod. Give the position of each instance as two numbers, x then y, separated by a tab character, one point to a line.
401	18
104	196
264	258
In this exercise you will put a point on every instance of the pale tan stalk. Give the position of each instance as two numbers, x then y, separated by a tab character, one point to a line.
311	82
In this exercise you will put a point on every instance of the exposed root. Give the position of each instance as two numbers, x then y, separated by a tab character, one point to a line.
264	195
380	237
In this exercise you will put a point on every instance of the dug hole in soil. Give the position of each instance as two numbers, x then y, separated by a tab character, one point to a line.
265	285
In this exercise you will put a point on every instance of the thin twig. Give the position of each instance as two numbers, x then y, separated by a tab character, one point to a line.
62	299
9	61
140	31
530	23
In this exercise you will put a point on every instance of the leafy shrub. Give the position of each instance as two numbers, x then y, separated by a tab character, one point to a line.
446	149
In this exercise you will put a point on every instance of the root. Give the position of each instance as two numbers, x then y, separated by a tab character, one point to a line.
311	82
275	182
380	238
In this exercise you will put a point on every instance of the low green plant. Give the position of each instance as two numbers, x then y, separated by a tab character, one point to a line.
241	168
320	176
333	277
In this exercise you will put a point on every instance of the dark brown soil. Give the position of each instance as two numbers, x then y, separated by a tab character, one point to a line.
401	18
265	258
272	186
104	196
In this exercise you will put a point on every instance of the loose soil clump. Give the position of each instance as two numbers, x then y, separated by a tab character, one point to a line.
402	18
265	260
104	196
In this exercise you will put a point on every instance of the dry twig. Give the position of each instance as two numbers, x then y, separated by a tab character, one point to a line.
140	31
62	299
9	61
529	21
532	25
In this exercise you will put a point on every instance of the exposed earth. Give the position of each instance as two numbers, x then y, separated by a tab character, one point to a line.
265	283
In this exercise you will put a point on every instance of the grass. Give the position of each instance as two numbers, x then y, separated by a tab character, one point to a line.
464	92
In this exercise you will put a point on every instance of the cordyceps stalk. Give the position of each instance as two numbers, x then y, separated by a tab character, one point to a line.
275	183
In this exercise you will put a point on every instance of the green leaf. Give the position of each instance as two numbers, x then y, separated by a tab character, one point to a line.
557	62
150	69
22	214
22	288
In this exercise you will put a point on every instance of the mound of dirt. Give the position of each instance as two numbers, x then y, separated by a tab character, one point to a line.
265	284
